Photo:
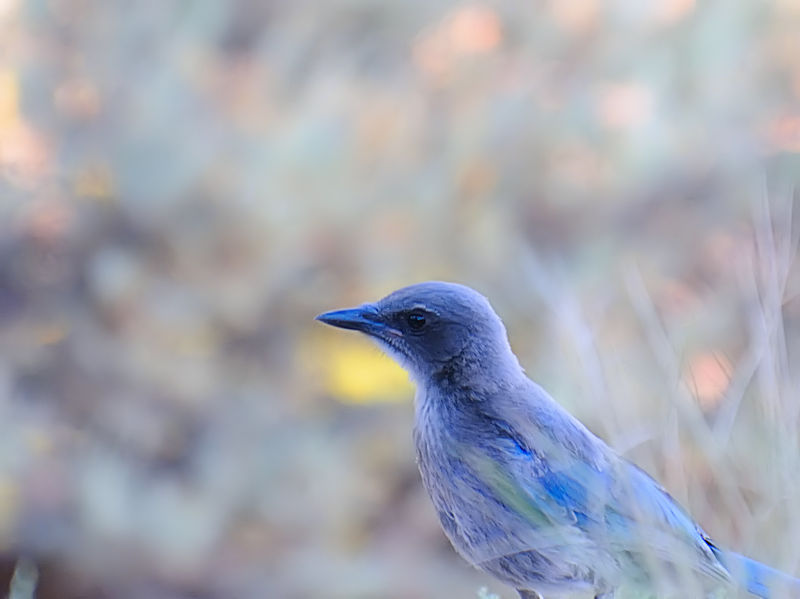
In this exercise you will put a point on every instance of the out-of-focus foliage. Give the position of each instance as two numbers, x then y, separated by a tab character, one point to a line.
183	186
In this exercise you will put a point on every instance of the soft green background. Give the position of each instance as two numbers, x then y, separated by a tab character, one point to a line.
184	185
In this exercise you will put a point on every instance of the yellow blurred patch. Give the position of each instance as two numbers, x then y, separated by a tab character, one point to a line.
9	508
359	373
9	99
353	370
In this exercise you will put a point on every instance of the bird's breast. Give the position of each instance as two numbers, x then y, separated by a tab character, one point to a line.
471	514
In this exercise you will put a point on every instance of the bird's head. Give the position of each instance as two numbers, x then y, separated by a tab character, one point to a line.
433	327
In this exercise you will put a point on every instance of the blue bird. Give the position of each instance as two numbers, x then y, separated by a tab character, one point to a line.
522	489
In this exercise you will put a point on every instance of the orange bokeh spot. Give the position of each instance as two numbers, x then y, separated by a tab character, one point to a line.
709	376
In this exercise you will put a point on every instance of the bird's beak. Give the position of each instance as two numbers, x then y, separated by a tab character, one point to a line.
364	318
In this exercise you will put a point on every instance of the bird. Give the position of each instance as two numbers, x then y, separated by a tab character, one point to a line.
523	490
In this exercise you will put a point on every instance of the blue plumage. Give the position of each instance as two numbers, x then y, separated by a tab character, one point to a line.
522	489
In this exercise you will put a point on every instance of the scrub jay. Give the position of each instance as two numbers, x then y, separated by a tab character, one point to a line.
522	489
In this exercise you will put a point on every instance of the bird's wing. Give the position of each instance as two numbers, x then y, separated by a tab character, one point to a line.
642	514
606	504
532	521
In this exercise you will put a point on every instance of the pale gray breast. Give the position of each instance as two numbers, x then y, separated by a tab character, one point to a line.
477	522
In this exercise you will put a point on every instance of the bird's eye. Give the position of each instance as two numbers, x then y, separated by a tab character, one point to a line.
416	321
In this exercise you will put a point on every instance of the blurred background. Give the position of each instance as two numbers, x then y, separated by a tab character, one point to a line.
184	185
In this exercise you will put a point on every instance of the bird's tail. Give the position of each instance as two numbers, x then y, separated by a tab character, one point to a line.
758	579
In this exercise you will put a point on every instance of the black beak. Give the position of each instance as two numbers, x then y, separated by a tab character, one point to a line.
364	318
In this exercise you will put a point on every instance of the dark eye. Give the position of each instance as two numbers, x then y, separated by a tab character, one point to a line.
415	321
